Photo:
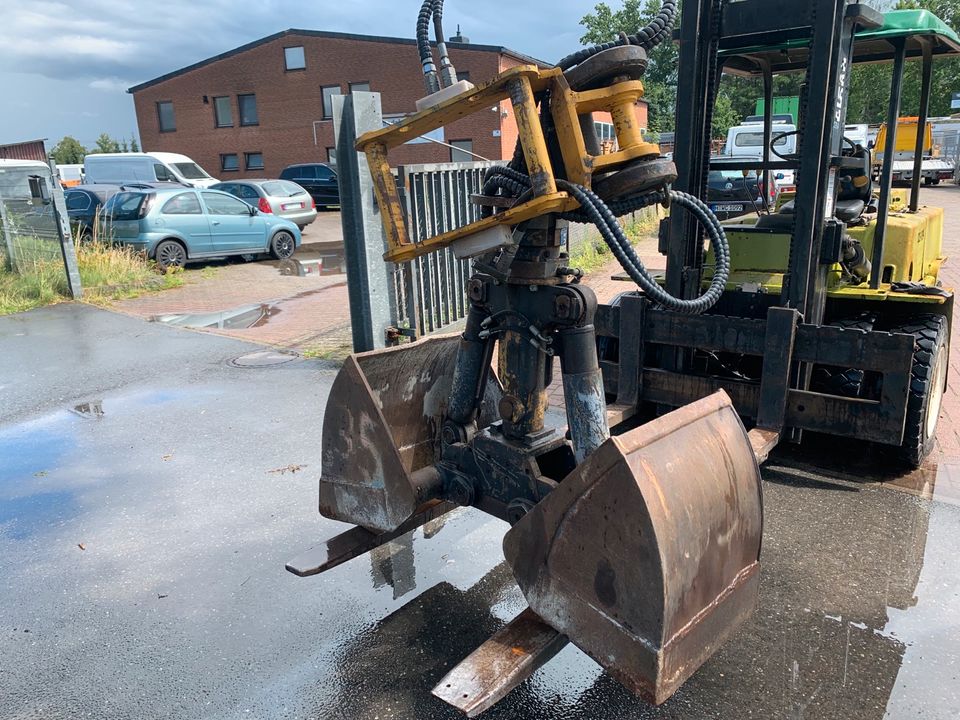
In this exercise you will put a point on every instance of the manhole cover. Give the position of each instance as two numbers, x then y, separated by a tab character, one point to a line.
264	358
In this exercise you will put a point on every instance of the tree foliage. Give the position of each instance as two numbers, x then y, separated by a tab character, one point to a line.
737	98
106	144
68	151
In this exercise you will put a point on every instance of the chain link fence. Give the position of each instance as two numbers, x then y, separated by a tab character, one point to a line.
36	233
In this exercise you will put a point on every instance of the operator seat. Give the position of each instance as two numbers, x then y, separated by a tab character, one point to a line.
855	181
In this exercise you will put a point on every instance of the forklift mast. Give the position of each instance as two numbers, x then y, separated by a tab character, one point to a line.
712	26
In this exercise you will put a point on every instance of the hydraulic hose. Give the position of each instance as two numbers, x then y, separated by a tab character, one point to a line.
430	78
658	30
594	210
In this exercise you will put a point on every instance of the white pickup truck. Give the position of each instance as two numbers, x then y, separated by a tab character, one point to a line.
933	169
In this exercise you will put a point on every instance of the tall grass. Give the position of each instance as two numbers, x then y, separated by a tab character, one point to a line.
107	272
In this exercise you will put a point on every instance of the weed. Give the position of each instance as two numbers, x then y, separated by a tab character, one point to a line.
107	273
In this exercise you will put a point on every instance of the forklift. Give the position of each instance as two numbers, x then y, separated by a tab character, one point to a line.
635	532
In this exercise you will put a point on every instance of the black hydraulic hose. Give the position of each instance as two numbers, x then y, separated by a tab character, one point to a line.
594	210
658	30
423	46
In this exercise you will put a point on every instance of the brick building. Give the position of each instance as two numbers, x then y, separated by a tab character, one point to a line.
256	109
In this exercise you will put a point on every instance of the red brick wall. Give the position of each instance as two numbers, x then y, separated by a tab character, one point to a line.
289	102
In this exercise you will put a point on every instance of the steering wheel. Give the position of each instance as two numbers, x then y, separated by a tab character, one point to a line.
794	157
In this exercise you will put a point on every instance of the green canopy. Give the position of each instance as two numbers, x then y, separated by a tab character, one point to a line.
915	27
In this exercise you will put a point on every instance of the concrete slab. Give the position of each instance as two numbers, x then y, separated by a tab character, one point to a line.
151	491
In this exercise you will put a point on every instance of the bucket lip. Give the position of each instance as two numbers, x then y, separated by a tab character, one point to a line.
430	340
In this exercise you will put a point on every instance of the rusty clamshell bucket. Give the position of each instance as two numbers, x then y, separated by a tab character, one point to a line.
380	431
647	555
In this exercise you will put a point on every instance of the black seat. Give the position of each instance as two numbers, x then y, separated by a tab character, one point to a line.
846	211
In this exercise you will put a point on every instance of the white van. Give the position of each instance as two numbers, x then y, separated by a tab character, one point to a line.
747	141
152	167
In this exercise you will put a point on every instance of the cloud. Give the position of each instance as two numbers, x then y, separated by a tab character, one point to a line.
111	84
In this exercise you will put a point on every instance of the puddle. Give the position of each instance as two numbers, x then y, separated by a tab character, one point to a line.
241	318
322	265
91	410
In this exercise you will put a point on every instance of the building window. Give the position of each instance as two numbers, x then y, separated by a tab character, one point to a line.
168	123
253	160
248	109
360	87
461	151
332	155
223	110
294	59
328	94
229	162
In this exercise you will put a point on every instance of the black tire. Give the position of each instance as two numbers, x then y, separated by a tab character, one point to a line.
931	359
283	245
845	382
170	253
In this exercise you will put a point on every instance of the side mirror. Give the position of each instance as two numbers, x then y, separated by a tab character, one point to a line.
253	211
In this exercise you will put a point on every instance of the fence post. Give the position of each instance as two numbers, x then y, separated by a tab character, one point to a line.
369	284
67	249
8	236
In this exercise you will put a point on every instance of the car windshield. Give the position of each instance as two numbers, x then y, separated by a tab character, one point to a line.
755	139
282	188
191	171
720	175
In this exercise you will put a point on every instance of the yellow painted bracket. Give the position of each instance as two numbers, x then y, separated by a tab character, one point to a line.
519	85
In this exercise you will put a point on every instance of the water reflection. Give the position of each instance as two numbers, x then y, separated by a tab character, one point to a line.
845	566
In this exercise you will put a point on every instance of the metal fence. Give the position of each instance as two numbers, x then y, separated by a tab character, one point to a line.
33	222
431	291
947	140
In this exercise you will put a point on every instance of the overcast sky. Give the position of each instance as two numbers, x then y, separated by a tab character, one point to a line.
65	66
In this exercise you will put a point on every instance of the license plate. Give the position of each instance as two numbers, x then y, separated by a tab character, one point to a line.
727	207
293	206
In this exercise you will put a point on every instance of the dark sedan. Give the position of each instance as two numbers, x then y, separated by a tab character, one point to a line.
317	179
731	193
83	205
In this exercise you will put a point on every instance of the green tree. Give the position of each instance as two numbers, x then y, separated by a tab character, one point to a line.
106	144
134	145
604	24
68	151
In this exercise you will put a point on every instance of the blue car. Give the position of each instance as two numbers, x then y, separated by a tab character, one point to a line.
178	225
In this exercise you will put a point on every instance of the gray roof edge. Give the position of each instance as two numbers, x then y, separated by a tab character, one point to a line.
293	32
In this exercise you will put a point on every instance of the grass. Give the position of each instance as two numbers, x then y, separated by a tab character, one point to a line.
107	273
334	354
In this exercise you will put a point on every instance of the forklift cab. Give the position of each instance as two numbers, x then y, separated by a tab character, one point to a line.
833	319
850	196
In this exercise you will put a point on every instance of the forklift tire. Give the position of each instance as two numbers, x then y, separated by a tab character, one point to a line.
838	381
931	359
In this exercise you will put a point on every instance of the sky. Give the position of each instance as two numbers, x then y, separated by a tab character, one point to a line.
65	66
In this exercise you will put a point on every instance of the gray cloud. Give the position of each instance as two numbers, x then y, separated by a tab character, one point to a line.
66	66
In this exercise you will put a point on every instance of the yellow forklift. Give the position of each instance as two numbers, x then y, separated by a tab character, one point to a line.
636	532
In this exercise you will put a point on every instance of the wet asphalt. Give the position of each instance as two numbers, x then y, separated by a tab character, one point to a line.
151	491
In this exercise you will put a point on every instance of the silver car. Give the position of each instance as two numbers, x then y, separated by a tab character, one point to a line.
274	197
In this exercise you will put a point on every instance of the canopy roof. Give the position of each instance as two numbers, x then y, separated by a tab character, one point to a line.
915	27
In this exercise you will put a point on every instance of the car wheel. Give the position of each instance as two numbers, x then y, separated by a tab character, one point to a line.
283	245
170	254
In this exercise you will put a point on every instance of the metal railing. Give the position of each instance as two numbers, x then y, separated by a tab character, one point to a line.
431	291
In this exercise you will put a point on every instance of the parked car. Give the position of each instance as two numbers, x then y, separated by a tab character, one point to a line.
180	225
318	179
274	197
84	204
153	167
731	193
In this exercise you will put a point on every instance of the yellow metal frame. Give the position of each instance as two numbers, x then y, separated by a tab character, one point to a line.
518	85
